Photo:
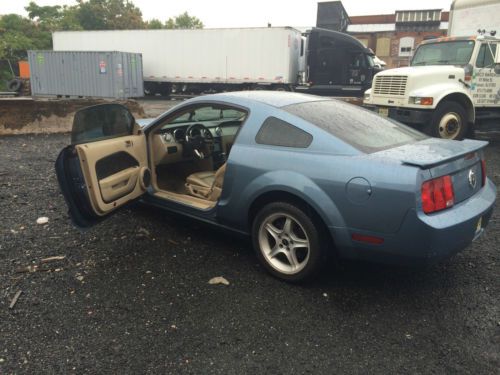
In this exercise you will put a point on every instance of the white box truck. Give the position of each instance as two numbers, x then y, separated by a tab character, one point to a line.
452	86
212	60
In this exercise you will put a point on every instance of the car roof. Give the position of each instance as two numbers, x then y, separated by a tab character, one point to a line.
276	99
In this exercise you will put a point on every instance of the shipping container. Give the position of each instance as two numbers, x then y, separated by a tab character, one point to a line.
104	74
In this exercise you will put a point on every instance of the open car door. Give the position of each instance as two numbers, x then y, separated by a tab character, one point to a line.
106	164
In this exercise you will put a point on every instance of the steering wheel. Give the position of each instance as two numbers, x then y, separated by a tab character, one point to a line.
200	139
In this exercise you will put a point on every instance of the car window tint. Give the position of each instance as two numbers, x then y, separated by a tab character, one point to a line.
362	129
277	132
101	122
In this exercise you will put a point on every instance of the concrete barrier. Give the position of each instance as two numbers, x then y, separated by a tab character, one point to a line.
28	116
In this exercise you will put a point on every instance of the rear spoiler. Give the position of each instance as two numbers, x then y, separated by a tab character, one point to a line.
433	151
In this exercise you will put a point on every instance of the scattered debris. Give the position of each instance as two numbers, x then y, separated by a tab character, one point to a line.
173	242
408	336
218	280
325	295
31	268
42	220
14	300
79	278
54	258
37	267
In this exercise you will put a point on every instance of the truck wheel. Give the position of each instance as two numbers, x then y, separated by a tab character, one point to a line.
288	242
449	121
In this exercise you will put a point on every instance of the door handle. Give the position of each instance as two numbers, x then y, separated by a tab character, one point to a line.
129	143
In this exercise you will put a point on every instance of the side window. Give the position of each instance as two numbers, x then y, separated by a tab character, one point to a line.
486	55
101	122
276	132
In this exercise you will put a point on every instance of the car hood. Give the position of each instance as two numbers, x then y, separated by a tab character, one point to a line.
431	151
417	71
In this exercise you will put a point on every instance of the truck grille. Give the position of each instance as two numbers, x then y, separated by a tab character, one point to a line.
390	85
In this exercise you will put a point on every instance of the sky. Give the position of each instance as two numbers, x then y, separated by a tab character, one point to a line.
247	13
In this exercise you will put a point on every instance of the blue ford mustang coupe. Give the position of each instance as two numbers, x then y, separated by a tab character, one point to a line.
305	176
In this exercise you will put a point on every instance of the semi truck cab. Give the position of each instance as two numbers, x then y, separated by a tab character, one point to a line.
451	87
335	64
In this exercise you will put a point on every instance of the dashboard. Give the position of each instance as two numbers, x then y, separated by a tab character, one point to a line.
169	141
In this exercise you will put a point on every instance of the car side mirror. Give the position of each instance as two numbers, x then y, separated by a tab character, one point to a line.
496	67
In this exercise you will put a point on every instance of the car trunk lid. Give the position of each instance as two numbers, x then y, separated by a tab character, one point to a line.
461	160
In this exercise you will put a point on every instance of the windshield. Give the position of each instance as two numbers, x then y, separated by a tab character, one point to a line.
444	53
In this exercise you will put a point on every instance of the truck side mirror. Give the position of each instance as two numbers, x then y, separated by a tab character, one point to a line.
496	67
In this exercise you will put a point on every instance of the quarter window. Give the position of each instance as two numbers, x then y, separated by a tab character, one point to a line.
276	132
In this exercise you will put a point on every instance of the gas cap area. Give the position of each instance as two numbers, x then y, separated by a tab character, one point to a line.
358	190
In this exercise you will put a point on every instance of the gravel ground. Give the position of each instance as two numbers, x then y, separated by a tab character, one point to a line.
132	295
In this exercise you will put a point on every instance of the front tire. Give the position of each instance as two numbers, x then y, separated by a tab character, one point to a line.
449	121
287	241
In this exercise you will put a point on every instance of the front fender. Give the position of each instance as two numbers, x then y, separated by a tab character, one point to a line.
285	181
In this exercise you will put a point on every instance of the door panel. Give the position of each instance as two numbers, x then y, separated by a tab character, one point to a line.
119	184
116	181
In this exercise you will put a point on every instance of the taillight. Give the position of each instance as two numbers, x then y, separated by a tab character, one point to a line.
437	194
483	171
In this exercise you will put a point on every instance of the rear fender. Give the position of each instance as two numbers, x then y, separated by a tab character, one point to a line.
303	188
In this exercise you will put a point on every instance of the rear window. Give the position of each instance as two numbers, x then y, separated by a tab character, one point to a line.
362	129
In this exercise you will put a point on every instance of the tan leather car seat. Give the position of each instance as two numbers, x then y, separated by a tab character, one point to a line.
207	184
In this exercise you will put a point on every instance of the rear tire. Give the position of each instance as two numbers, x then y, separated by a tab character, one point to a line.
288	242
449	121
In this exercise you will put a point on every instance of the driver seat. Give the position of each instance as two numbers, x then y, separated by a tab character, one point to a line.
206	184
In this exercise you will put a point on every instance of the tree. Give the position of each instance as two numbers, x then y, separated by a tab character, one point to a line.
18	34
184	21
52	18
109	15
154	24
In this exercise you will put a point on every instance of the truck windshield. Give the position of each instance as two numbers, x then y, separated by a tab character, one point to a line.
444	53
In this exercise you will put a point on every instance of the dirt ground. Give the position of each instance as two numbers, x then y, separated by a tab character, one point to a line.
132	295
28	116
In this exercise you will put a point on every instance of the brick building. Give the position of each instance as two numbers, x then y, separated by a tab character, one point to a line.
393	37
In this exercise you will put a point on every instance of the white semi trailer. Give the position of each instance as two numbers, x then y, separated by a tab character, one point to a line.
452	86
276	58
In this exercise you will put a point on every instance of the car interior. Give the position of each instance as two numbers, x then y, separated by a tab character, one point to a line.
188	153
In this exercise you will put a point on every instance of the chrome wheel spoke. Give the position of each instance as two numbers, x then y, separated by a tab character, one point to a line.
275	251
273	231
298	242
292	258
287	228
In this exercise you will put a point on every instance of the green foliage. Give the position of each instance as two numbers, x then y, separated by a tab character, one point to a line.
109	15
18	34
184	21
154	24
